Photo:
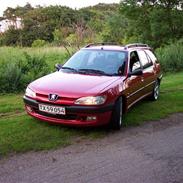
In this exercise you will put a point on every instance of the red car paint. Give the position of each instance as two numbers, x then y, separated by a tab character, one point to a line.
70	86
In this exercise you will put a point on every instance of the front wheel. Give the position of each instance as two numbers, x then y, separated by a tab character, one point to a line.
116	120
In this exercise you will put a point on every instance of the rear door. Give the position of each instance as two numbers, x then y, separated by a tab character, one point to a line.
148	72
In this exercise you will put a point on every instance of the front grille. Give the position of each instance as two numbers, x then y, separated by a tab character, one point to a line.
57	116
60	100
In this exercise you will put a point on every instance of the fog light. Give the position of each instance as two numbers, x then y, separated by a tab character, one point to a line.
29	109
91	118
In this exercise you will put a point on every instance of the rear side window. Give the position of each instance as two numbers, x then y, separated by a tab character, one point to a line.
146	62
151	55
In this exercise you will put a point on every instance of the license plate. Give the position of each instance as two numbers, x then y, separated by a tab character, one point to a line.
52	109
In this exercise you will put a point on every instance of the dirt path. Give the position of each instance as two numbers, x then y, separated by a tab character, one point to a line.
152	153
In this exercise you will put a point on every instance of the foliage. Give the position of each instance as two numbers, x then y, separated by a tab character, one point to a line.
15	76
39	22
55	23
18	67
39	43
117	34
58	36
72	39
1	40
32	68
153	22
171	57
156	22
11	37
10	77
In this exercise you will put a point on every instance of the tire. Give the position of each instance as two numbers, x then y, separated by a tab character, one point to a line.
156	91
117	114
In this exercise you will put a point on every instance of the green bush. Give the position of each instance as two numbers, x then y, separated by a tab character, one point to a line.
171	57
39	43
1	40
10	77
15	76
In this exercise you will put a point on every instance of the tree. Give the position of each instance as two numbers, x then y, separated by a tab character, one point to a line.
60	36
56	23
155	22
115	29
11	37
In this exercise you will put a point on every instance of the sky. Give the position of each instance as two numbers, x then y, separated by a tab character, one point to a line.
71	3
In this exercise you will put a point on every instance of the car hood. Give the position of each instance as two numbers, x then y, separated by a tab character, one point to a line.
72	84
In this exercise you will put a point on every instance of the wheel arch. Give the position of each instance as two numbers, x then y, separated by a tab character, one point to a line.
160	78
124	102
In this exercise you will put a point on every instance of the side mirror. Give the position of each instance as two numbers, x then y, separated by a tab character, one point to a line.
58	66
137	72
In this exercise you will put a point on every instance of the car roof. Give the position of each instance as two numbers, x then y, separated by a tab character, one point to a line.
116	47
106	47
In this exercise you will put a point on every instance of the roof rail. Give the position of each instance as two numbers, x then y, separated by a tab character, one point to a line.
102	44
135	45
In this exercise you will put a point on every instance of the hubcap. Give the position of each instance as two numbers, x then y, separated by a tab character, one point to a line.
156	91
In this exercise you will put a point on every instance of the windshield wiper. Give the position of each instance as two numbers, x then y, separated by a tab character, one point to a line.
93	71
69	68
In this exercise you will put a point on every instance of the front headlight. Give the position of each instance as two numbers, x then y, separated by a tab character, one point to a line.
98	100
30	93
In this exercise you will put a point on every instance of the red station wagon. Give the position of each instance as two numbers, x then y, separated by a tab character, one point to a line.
96	86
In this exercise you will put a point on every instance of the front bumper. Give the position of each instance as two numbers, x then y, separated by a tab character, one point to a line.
75	115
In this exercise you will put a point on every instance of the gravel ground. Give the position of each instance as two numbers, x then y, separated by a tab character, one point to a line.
151	153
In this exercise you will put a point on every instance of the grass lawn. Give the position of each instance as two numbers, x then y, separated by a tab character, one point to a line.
21	133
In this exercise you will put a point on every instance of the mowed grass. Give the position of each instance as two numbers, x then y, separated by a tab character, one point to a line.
11	103
21	133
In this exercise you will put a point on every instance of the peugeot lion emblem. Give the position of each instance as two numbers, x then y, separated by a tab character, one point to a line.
52	97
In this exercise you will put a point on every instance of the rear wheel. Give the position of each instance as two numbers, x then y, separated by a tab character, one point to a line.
116	120
156	91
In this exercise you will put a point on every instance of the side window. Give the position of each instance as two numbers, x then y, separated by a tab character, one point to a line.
134	62
151	55
146	62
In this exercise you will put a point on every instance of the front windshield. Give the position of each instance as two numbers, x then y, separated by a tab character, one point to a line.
105	61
